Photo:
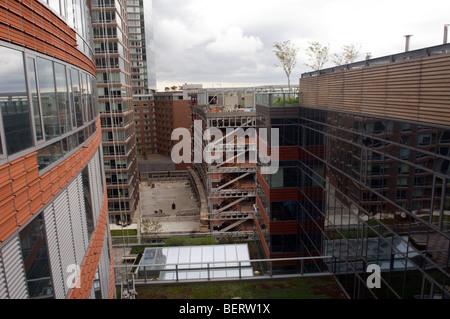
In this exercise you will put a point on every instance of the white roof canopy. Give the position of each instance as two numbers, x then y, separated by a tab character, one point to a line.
198	262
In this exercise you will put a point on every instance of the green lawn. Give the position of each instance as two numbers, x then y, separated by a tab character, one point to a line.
295	288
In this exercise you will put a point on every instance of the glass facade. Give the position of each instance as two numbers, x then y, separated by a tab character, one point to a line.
370	191
40	106
77	15
36	260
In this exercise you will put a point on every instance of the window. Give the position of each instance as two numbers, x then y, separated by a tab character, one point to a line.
88	201
35	99
35	255
49	154
14	101
62	97
76	96
47	92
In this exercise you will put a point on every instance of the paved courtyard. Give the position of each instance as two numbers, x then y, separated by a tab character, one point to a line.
160	197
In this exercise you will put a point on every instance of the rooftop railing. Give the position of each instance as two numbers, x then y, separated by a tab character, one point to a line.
277	99
415	54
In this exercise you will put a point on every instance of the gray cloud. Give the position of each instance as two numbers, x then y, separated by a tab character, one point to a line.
211	41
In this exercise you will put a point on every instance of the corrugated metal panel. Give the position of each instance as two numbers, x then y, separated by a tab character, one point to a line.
77	223
15	273
64	231
100	189
59	286
93	177
83	211
105	269
3	289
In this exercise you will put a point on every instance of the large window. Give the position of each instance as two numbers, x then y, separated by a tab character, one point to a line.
76	97
31	67
63	100
47	92
14	101
35	257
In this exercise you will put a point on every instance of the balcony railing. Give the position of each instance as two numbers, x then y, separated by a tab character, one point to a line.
277	99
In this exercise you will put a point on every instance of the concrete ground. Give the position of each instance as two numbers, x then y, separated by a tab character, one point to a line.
185	216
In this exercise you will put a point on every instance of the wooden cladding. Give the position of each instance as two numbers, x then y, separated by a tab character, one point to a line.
23	192
32	25
416	90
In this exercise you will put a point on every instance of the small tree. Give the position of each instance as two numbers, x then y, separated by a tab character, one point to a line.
287	57
349	54
318	55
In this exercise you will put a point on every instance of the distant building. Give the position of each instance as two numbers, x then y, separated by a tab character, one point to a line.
141	47
156	118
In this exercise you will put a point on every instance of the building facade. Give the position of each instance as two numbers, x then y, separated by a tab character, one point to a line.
115	93
54	240
364	177
156	118
140	33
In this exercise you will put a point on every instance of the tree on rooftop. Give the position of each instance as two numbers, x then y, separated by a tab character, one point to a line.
287	57
318	55
349	54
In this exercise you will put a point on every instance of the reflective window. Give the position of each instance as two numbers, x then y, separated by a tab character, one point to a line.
88	201
14	101
35	99
63	101
35	257
49	154
47	92
76	95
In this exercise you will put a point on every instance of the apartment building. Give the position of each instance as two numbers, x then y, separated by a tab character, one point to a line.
115	90
140	34
54	239
156	118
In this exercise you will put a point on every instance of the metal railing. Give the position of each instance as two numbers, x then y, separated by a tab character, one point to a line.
231	270
426	52
277	99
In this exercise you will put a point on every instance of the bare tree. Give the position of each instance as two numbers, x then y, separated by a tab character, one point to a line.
318	55
349	54
287	57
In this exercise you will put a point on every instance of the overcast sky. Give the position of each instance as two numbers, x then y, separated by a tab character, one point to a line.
229	43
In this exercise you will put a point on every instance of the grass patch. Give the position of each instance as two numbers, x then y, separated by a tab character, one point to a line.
186	241
125	232
294	288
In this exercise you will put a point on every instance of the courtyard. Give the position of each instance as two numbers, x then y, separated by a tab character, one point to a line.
170	203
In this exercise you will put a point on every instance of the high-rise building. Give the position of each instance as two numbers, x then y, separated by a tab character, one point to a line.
112	57
54	239
140	34
365	175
